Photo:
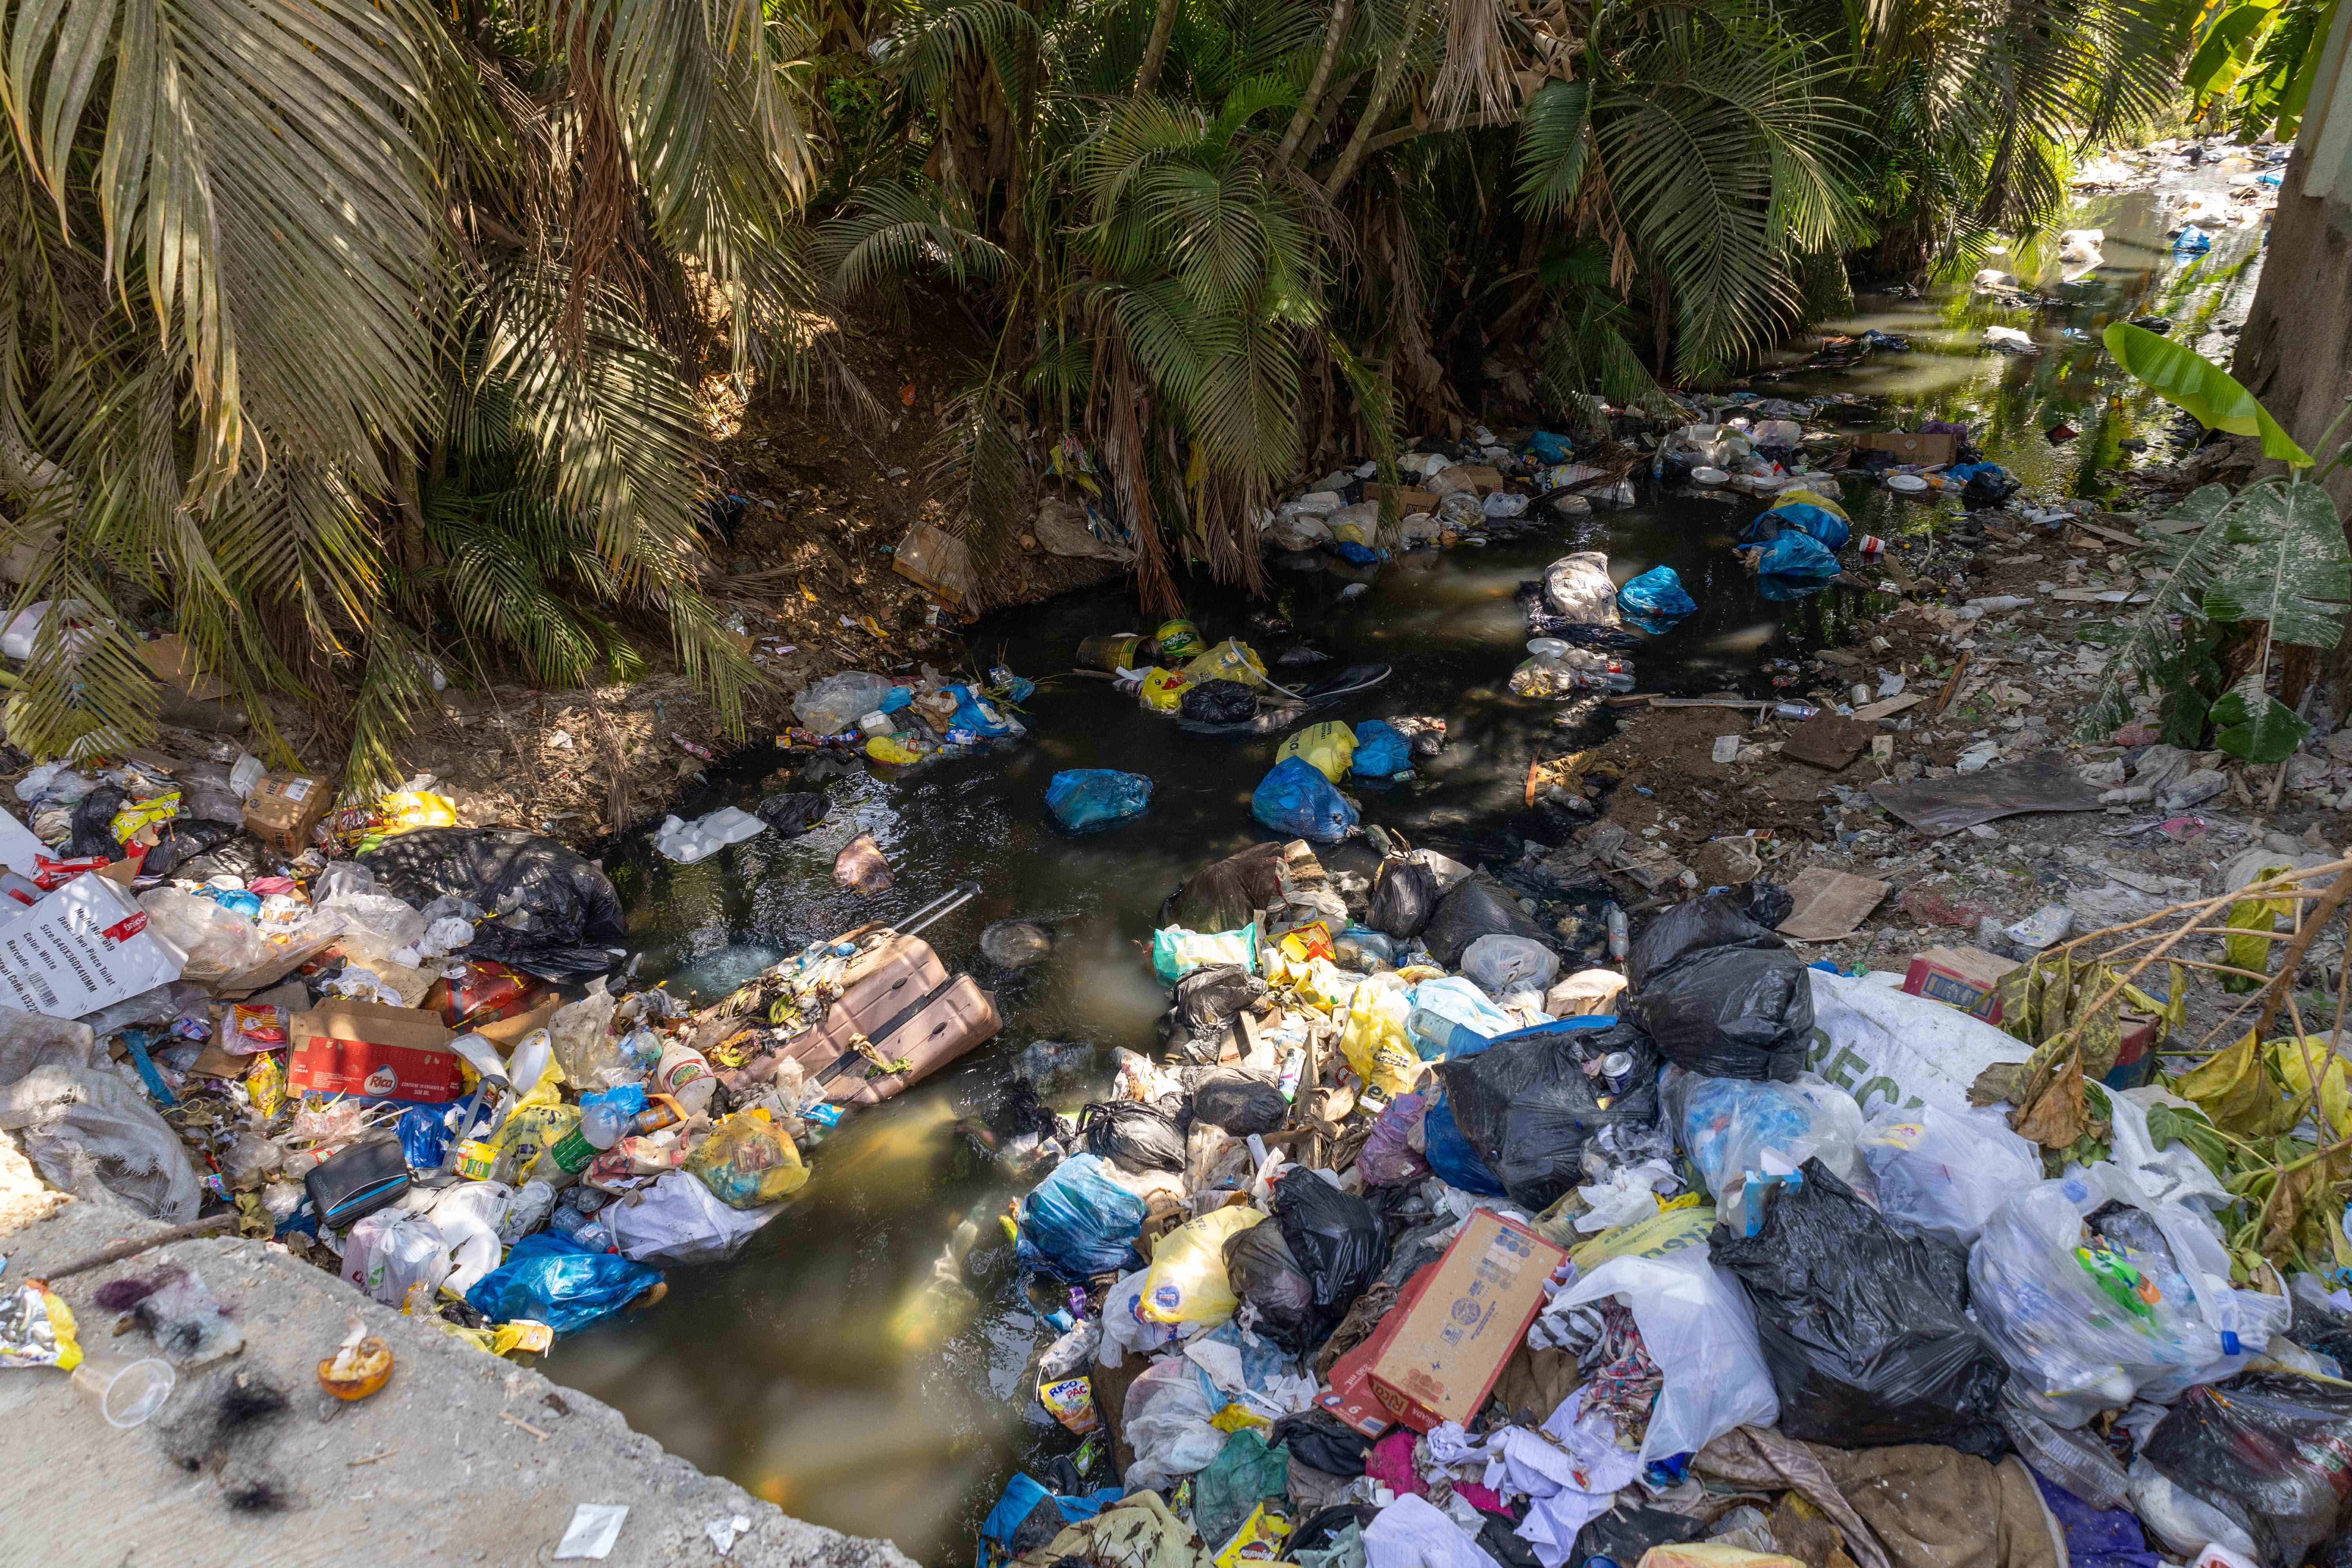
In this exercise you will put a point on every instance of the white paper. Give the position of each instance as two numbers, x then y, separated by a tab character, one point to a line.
596	1526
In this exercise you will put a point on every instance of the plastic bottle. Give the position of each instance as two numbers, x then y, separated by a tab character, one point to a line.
685	1076
1621	939
641	1051
1595	680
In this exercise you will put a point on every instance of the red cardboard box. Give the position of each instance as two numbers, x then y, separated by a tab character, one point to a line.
1451	1344
1349	1397
1968	978
370	1049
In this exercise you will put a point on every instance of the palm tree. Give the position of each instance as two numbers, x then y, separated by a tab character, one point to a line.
361	339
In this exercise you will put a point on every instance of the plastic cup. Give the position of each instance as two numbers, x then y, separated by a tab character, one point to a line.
126	1392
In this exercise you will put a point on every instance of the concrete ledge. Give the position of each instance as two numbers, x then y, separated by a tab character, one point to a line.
437	1468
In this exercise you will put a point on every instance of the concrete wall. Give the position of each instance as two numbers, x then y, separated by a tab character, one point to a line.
2297	352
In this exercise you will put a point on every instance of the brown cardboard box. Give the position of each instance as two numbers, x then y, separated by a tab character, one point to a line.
1968	978
284	807
175	664
1452	1343
1350	1396
1409	499
1484	476
1939	448
366	1048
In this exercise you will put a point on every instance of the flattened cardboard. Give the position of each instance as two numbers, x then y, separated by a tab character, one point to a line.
1940	447
175	664
1451	1344
1830	904
368	1049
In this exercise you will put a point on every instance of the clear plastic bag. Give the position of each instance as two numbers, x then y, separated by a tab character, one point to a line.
1946	1172
677	1220
396	1257
1167	1426
1500	963
1745	1134
87	1131
581	1034
212	937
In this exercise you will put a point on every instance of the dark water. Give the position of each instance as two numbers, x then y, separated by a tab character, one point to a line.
821	1369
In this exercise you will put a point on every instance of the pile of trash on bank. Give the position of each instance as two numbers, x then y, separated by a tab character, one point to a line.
1411	1252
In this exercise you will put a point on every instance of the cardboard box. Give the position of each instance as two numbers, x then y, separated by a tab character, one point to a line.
80	948
1484	476
1968	978
1349	1396
1939	448
175	664
369	1049
1411	499
284	807
1451	1344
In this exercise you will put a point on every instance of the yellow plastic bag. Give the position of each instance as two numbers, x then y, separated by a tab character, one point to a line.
1229	660
1186	1283
747	1162
891	749
1810	498
1374	1040
1354	534
408	810
1163	689
1328	748
131	818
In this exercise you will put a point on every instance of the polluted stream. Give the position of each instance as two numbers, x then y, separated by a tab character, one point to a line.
862	1364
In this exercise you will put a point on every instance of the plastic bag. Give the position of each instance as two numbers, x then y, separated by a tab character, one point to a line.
1177	953
1449	1015
1079	1223
2267	1450
1239	1103
1164	690
1244	1473
1135	1137
1818	522
1502	963
214	938
1793	566
1219	703
1404	894
2093	1303
1743	1136
392	1252
1278	1297
1718	990
553	1280
1382	751
1478	907
1657	593
88	1131
1328	748
1578	587
1864	1326
1207	1000
1450	1155
1335	1238
1391	1155
1526	1104
551	911
1166	1424
838	702
1946	1172
1186	1283
581	1034
468	1216
1229	660
1698	1328
747	1162
680	1220
862	867
1083	799
1374	1039
1294	798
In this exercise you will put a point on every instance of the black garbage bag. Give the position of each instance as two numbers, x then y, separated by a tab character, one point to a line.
1404	894
92	816
1317	1438
1498	1537
182	840
1337	1240
1629	1530
1718	988
791	814
1864	1325
1987	488
1265	1277
1526	1104
1239	1103
552	912
1208	998
1219	703
1224	895
1325	1525
1133	1136
242	855
2268	1450
1478	907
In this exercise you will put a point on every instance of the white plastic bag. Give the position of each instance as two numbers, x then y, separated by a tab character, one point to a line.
1578	587
1125	1328
392	1252
467	1217
678	1221
2174	1173
1445	1015
1168	1412
1944	1171
1696	1325
1498	962
1886	1048
88	1130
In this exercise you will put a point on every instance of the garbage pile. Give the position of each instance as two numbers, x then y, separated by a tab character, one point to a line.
1410	1251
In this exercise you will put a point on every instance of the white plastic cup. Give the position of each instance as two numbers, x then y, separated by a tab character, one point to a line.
126	1392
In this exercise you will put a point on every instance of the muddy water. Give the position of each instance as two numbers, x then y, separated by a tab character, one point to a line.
827	1368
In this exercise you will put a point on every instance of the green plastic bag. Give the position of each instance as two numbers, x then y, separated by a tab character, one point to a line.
1244	1473
1176	952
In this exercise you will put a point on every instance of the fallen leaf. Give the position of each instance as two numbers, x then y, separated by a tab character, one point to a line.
2234	1091
2057	1117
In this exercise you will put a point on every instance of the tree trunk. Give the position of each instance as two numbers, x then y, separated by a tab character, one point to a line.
1351	157
1304	117
1155	54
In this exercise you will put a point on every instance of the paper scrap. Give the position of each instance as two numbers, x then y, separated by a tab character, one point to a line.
596	1526
1830	904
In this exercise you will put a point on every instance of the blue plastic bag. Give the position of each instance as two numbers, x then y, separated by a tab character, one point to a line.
1794	566
1658	592
1382	751
1547	449
1805	518
1294	798
1450	1155
1079	1223
1020	1500
981	717
1354	554
553	1280
2191	241
1083	799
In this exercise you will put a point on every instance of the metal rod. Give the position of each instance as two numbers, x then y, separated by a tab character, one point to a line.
940	908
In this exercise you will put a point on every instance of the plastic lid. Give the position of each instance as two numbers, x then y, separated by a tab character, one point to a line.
1705	476
1908	483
